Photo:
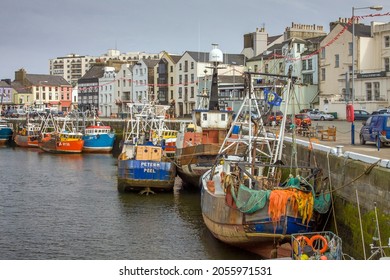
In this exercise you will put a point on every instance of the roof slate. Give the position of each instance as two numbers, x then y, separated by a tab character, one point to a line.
51	80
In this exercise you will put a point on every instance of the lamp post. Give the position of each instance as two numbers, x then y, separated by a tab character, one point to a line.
378	8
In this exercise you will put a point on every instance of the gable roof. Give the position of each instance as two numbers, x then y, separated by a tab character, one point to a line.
269	53
49	80
150	62
4	84
238	59
95	72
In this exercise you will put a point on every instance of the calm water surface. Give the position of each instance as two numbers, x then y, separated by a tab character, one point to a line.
68	207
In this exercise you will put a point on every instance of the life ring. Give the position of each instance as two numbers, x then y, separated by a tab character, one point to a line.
303	238
324	242
300	242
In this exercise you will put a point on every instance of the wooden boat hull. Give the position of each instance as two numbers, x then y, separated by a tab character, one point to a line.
141	174
193	161
53	145
253	232
26	141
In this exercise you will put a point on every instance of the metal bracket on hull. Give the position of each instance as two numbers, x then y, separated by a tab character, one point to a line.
147	191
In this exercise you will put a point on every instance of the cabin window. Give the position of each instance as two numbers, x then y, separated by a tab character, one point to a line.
223	117
205	117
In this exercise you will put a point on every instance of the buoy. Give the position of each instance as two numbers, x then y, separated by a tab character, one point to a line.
304	257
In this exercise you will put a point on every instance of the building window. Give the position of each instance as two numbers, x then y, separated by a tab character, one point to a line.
192	78
387	64
323	74
192	92
387	41
369	91
192	65
377	92
304	64
308	79
310	64
266	68
180	92
323	53
336	61
171	68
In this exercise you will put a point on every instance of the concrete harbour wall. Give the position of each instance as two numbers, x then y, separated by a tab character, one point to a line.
355	180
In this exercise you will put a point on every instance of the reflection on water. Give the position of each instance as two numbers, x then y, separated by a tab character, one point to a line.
68	207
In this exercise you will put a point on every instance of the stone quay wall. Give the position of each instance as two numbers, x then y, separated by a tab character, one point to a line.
357	183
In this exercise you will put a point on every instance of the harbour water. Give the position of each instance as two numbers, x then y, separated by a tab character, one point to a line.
67	207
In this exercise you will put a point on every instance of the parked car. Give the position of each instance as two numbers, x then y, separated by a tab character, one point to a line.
320	116
376	129
381	111
275	116
20	113
361	115
11	113
302	119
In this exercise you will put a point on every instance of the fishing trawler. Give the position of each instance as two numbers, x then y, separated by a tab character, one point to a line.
60	136
28	135
251	198
144	164
198	142
98	138
6	130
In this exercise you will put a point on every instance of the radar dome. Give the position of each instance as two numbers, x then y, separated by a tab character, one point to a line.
216	54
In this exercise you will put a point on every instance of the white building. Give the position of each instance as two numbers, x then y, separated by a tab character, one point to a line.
123	89
143	80
194	66
372	78
73	66
107	105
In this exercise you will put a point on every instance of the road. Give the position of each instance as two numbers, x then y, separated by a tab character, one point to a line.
343	138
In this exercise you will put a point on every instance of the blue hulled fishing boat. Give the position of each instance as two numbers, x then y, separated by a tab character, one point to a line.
144	164
98	138
6	131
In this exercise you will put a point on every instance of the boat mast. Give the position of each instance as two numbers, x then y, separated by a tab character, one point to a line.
215	57
279	147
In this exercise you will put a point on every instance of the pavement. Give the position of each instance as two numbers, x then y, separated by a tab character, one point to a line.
344	139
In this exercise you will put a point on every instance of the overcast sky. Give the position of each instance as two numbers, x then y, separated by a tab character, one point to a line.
34	31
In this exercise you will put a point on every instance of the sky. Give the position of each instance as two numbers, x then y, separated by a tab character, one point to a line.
34	31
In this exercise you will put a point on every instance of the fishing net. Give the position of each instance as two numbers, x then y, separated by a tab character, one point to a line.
248	200
322	203
300	203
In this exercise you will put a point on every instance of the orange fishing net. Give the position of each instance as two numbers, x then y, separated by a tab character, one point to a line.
301	203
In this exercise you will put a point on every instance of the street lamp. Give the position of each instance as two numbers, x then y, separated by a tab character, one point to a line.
378	8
